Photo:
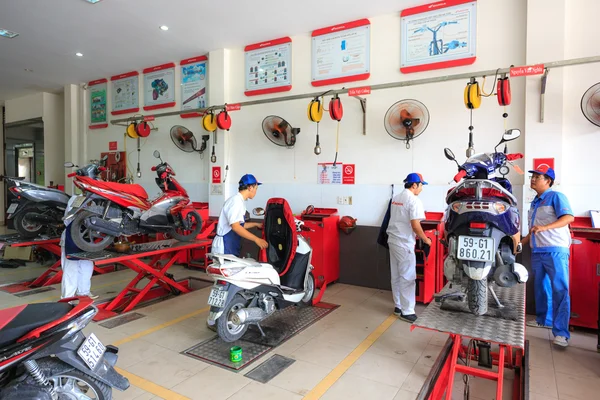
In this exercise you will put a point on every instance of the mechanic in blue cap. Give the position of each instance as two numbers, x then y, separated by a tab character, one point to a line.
406	213
231	227
549	238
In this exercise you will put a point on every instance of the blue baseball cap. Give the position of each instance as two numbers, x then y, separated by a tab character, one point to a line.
414	177
544	170
249	179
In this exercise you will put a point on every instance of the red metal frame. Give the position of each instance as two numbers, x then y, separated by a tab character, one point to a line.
131	296
52	275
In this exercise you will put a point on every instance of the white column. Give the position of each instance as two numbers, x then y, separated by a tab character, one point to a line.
72	130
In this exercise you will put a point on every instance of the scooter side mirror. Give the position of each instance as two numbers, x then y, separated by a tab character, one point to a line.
156	154
104	158
258	211
511	134
449	154
69	164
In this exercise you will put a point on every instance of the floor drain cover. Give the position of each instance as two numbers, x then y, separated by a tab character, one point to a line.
270	368
113	323
34	291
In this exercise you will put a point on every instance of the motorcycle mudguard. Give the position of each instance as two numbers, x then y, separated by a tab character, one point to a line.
104	372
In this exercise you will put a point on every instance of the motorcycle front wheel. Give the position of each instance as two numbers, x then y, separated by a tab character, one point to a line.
193	220
86	238
477	296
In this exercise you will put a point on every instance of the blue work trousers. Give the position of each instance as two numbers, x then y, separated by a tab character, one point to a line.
551	287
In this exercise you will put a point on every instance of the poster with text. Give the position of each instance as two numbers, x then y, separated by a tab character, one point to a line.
193	83
438	35
97	91
159	87
341	53
327	174
268	67
125	93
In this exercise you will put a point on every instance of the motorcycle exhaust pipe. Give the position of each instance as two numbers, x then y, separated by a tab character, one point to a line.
248	315
41	218
102	226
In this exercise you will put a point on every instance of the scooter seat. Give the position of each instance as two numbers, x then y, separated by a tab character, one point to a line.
17	321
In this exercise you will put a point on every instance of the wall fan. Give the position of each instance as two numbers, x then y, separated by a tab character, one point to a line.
590	104
406	119
279	131
185	140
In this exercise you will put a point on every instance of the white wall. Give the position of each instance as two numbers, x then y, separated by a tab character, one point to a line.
26	107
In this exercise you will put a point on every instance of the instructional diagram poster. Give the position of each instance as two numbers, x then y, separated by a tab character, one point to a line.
438	35
159	87
125	94
340	174
98	91
193	83
268	67
341	53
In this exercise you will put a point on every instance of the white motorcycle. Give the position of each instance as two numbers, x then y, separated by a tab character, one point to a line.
246	291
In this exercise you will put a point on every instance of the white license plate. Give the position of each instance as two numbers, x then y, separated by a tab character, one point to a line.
12	208
91	351
78	202
217	298
472	248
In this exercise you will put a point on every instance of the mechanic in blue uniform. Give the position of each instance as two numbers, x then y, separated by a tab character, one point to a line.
549	238
231	227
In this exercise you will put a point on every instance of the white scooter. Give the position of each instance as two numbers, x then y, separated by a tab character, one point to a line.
246	291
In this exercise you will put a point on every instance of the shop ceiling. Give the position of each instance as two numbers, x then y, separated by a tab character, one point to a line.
117	36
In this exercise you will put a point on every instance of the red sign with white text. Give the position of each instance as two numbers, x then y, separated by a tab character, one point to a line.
216	174
359	91
537	69
233	107
543	163
149	118
112	146
348	174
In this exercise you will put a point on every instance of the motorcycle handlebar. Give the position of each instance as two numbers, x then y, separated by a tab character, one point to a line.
514	156
72	174
461	174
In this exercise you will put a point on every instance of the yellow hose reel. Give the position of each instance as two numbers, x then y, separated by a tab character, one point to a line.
472	94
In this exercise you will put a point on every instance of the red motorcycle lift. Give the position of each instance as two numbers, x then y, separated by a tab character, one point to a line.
505	335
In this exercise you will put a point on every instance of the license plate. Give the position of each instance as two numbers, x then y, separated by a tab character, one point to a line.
78	202
217	298
12	208
475	248
91	351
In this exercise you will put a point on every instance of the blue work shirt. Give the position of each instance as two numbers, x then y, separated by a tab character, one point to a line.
546	209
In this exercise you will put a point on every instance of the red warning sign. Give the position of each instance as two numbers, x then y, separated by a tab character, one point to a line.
216	174
348	174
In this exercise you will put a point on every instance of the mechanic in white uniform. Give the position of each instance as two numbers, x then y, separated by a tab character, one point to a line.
231	227
406	213
77	274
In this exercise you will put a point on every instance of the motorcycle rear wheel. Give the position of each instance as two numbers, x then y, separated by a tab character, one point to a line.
193	233
79	230
477	296
227	330
73	383
28	229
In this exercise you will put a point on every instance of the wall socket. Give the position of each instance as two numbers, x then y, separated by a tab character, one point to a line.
344	200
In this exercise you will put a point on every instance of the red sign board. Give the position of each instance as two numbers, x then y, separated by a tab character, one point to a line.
543	163
359	91
537	69
112	146
348	174
233	107
149	118
216	174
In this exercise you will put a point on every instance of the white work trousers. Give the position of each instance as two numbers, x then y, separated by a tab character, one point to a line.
403	264
77	276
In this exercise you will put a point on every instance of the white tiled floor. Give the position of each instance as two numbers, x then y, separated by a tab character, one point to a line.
394	367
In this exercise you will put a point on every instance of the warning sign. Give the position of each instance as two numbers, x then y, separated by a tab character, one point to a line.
543	163
216	174
348	177
328	174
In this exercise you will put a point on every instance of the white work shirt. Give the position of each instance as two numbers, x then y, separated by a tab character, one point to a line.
405	207
234	210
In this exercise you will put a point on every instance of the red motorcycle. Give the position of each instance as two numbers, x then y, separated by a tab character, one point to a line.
108	210
44	354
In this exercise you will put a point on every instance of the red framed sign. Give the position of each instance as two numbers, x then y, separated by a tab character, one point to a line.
268	67
438	35
125	93
194	79
341	53
159	87
97	91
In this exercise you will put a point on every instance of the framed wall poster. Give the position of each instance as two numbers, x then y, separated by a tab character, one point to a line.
159	87
268	67
194	79
438	35
98	91
341	53
125	93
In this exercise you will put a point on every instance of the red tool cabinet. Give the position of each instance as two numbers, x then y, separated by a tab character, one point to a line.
584	266
325	243
430	269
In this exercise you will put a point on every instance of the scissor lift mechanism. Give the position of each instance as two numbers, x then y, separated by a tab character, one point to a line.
508	335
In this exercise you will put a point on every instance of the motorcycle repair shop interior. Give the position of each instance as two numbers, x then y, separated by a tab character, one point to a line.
120	158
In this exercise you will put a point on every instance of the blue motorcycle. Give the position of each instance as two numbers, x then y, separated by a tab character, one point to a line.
483	227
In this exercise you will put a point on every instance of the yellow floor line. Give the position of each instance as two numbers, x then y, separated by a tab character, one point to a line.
150	387
347	362
161	326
